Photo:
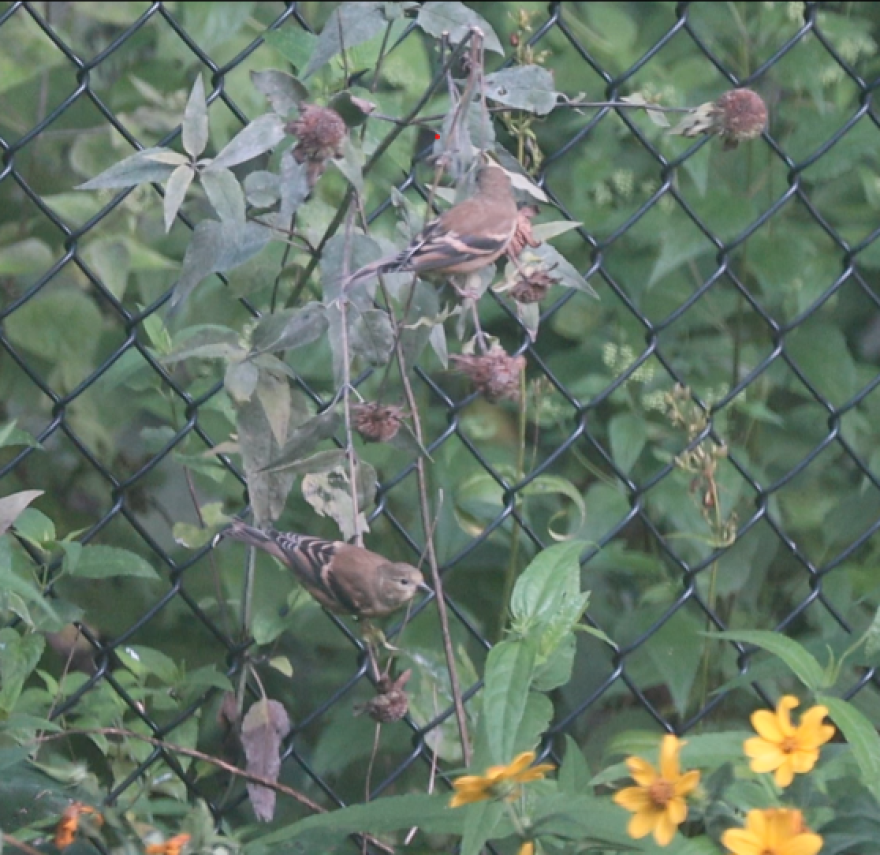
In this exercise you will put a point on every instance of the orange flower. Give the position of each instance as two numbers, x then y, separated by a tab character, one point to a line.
658	802
774	831
172	846
781	746
65	831
499	782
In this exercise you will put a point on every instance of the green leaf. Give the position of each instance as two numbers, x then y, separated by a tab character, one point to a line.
225	195
544	585
559	267
12	506
25	589
175	192
293	43
429	812
372	336
329	492
35	526
204	341
289	329
104	562
19	656
214	248
480	823
10	435
574	774
351	164
195	120
509	668
144	661
548	231
861	734
456	19
528	87
240	380
140	168
628	434
802	663
261	188
872	636
304	438
254	139
30	255
284	92
349	24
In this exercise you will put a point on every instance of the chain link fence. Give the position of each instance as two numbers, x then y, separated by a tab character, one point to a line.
772	325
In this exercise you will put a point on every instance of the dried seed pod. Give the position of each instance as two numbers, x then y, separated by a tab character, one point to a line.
523	237
376	422
495	374
391	702
532	285
321	133
740	115
736	116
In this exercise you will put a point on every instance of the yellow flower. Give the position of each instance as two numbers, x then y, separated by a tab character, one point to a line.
499	782
781	746
774	831
658	802
528	848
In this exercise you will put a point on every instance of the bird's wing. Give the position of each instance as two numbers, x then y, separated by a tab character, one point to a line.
353	577
310	559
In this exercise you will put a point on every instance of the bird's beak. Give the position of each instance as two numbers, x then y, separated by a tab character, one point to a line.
424	586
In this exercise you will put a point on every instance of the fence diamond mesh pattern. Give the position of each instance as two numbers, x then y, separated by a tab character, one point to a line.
602	368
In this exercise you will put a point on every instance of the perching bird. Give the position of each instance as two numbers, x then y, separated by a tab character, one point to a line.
341	577
467	237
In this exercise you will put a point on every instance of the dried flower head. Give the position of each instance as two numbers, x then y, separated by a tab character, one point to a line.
321	133
736	116
376	422
533	283
391	702
495	373
523	237
741	115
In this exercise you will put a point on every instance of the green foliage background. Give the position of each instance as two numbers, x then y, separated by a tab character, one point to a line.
748	276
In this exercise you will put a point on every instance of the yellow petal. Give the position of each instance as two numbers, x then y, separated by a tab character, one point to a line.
642	824
766	724
643	773
664	830
467	798
803	844
687	783
803	761
676	810
528	848
468	781
520	762
812	732
669	749
767	760
741	842
756	746
756	823
784	775
783	713
634	799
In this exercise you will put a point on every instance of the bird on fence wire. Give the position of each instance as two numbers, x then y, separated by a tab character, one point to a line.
464	239
343	578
